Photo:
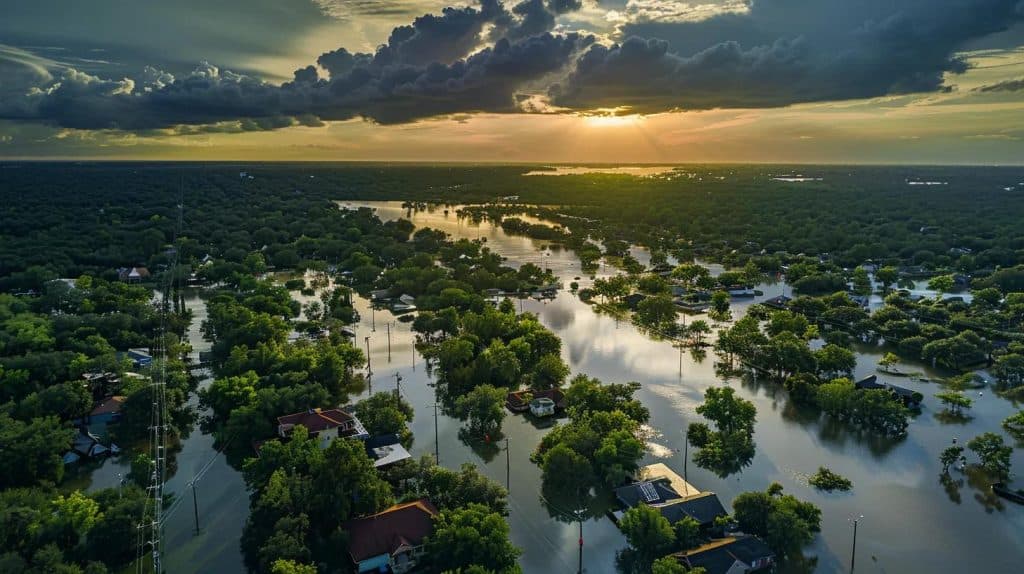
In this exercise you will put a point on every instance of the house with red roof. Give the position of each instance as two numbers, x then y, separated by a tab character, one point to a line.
391	540
326	425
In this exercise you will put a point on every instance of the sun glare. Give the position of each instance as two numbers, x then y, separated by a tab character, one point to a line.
611	121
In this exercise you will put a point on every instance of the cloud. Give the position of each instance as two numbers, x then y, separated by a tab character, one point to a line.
782	52
1005	86
495	57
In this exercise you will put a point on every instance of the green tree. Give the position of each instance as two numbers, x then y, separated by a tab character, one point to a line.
470	536
648	532
834	361
955	401
657	312
32	451
450	489
565	470
386	413
688	534
994	454
549	372
887	276
484	408
949	456
941	284
786	523
669	565
283	566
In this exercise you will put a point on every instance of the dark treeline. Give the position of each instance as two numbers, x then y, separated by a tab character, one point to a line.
853	213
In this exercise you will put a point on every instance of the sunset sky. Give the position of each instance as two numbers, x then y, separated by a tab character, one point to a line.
656	81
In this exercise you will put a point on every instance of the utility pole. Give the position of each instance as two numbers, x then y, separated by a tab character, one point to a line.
579	519
508	468
413	345
398	385
853	553
437	442
389	341
369	367
195	505
373	318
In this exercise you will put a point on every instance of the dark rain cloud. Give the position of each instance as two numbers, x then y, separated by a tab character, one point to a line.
1007	86
783	52
485	57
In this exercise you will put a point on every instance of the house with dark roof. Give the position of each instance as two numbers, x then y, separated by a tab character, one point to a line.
385	450
326	425
731	555
649	492
391	540
704	508
909	397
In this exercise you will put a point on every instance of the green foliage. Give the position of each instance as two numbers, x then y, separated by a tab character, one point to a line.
470	536
786	523
875	409
484	408
301	494
955	401
588	395
731	446
949	456
994	454
669	565
32	451
284	566
827	480
386	413
647	532
450	489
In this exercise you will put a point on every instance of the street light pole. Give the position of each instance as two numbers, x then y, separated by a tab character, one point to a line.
369	366
853	553
389	341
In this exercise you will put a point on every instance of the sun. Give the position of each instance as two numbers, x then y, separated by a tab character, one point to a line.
611	121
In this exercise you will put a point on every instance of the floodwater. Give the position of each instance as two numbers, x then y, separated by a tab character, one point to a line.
637	170
911	522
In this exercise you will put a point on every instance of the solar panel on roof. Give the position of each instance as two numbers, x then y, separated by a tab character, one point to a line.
647	489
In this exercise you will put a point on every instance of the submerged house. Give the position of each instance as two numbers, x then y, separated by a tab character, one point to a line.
326	425
107	410
909	397
385	450
663	494
731	555
391	540
519	401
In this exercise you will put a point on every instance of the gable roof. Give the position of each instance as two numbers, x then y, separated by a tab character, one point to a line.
649	492
718	556
703	508
387	531
315	420
108	405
